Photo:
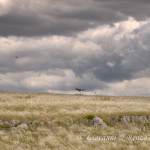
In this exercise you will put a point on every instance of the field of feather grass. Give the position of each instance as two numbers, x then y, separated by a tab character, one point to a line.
69	132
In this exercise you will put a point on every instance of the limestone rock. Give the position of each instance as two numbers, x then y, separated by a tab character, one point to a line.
42	123
125	120
35	123
143	119
29	122
113	120
13	128
22	126
149	119
110	120
116	119
6	123
12	123
51	122
98	121
1	123
135	119
85	120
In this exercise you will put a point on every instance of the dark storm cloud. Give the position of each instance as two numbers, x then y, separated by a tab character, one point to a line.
66	17
102	58
110	51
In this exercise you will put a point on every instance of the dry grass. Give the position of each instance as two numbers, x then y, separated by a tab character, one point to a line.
68	110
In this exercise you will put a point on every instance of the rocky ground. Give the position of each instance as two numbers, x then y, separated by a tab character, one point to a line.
91	120
31	121
126	120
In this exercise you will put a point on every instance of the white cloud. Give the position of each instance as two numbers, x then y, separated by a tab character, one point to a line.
110	64
5	7
117	32
139	87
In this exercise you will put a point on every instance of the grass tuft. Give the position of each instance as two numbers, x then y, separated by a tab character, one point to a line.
90	116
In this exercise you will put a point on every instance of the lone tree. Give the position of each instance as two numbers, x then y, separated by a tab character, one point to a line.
79	90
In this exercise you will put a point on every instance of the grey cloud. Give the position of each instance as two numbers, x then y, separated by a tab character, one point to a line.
118	61
92	60
36	82
47	17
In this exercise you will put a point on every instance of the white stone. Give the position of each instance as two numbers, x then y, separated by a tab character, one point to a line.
143	119
12	123
98	121
6	123
35	122
22	126
149	119
113	120
135	119
125	120
85	120
1	123
42	123
51	122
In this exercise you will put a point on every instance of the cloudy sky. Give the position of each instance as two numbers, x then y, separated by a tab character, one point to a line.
102	46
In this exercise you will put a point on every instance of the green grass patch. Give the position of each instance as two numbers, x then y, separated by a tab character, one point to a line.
90	116
5	127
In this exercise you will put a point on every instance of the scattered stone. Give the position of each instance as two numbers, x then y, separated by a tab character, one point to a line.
13	128
148	119
98	121
95	121
1	123
110	120
29	122
24	121
35	122
143	119
71	120
12	123
22	126
85	120
135	119
6	123
114	120
42	123
51	122
125	120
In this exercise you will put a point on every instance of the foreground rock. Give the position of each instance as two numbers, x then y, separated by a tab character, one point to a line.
34	123
1	123
98	121
116	120
149	119
134	119
13	123
129	119
22	126
126	120
6	123
140	119
143	119
51	122
113	120
95	121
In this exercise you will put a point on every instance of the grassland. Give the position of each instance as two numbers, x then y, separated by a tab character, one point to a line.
69	132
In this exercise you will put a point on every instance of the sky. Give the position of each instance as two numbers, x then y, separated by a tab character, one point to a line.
55	46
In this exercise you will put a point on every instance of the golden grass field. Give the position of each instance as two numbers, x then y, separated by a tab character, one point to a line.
68	111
